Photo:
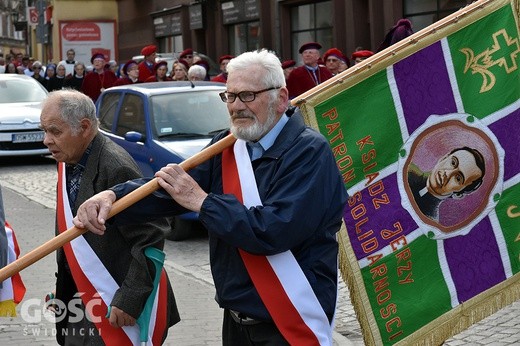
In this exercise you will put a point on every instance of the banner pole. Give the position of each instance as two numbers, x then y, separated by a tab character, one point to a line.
118	206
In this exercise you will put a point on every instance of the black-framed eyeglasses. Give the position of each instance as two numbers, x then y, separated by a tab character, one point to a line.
244	96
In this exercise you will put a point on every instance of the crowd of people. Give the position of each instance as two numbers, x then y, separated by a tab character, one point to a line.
315	68
102	74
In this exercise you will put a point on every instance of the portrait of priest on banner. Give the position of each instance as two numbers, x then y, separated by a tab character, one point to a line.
455	175
448	174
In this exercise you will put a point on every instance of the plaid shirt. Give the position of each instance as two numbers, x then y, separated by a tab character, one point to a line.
74	173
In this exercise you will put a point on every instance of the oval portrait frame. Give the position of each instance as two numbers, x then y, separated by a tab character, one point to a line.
437	136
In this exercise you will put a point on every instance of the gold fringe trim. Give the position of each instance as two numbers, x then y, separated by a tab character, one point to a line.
351	274
7	308
439	330
467	314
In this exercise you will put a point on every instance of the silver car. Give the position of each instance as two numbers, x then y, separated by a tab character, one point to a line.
20	107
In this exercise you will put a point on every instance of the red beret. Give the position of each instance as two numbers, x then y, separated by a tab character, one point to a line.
149	50
309	45
203	63
225	57
334	52
187	51
362	54
128	65
184	63
288	63
97	56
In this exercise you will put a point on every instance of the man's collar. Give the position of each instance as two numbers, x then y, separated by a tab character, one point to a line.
268	140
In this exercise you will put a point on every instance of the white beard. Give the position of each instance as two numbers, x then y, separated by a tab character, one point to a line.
256	131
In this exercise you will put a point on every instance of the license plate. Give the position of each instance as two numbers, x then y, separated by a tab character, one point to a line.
28	137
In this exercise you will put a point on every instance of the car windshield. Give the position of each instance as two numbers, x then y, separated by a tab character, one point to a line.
20	90
189	114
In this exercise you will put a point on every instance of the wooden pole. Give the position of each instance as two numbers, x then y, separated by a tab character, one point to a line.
118	206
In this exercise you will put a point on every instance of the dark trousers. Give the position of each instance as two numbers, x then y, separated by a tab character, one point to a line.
246	333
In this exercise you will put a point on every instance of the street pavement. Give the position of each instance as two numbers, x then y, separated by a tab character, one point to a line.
29	200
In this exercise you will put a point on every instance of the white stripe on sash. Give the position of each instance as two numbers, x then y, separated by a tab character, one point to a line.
284	265
94	269
7	291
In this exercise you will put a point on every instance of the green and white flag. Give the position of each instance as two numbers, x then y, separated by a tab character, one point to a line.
425	135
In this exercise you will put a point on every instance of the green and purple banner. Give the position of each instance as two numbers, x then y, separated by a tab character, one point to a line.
426	136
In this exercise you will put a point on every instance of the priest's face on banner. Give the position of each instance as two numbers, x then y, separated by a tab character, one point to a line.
457	173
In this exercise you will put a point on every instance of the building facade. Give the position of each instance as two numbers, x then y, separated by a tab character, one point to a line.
218	27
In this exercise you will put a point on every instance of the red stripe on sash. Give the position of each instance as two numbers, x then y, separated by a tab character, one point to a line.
162	310
267	284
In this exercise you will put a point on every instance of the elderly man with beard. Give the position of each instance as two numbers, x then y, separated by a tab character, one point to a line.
272	205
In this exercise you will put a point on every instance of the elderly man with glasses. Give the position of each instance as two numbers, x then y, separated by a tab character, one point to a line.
272	205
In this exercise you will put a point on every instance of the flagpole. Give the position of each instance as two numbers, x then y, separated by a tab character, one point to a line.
118	206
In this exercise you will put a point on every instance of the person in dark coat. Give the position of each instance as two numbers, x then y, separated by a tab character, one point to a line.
99	79
37	66
222	76
401	30
131	72
277	194
56	82
75	81
309	75
161	73
100	275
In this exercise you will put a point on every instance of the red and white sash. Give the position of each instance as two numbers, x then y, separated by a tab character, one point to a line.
279	279
94	281
13	289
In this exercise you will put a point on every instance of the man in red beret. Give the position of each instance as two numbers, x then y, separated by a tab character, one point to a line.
360	55
187	55
309	75
146	67
131	71
335	61
99	79
287	67
223	61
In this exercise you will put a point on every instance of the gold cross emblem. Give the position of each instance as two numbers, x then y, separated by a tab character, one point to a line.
503	53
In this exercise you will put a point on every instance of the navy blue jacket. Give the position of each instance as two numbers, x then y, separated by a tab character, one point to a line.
303	199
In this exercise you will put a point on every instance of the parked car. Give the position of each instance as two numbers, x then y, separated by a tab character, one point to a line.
161	123
20	107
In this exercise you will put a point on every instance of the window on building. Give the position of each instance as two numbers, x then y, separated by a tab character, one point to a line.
170	44
425	12
244	37
311	23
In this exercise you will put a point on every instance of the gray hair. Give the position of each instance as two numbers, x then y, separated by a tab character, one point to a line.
197	71
73	107
264	59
